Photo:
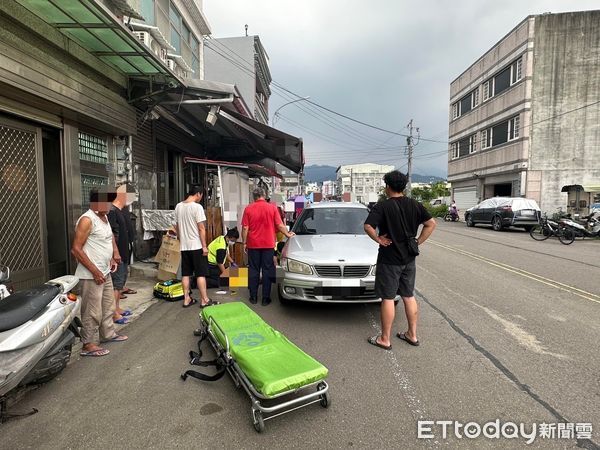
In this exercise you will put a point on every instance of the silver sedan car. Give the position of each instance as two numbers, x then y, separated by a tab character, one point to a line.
330	259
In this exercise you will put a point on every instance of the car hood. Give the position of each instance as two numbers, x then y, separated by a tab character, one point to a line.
332	249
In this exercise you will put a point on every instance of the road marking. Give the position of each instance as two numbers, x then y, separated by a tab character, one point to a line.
532	276
527	340
408	391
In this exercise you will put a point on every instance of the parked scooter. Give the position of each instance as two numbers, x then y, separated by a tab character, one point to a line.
591	227
38	327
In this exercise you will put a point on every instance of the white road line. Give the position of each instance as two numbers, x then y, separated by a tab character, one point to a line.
408	391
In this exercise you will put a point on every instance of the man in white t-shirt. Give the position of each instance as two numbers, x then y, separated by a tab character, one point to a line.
191	231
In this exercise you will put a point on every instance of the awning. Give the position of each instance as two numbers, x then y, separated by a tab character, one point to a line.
233	136
271	142
251	169
579	187
93	26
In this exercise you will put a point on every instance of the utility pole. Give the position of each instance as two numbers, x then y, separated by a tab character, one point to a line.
410	144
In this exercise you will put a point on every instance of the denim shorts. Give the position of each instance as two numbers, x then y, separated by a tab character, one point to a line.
119	277
392	280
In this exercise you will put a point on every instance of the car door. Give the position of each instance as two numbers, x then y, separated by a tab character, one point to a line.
480	211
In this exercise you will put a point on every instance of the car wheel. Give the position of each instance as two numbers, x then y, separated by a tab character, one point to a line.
284	301
497	223
469	221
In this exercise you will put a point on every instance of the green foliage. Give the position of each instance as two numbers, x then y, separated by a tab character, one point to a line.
427	193
436	211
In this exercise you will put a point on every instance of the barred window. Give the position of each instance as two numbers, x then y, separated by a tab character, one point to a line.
513	128
93	148
89	182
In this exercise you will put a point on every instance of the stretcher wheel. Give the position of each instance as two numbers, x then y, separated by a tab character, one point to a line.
325	401
259	422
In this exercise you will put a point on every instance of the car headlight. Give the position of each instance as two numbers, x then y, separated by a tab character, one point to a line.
294	266
374	269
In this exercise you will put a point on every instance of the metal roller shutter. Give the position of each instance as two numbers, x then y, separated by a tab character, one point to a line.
465	197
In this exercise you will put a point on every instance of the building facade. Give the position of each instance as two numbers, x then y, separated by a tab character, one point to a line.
242	61
328	189
362	181
118	99
524	117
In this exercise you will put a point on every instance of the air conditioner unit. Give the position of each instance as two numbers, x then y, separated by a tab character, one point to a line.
144	37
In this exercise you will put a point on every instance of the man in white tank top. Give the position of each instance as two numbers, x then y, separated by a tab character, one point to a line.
96	251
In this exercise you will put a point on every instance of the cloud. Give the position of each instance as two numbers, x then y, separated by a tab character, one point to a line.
382	62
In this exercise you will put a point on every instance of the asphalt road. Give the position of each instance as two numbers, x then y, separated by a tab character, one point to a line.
509	329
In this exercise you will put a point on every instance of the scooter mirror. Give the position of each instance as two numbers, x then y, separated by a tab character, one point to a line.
4	273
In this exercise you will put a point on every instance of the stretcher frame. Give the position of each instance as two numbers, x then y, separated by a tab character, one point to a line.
321	395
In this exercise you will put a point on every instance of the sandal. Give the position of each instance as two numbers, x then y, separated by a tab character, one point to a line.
117	338
129	291
192	302
403	337
210	303
99	352
121	321
126	313
373	341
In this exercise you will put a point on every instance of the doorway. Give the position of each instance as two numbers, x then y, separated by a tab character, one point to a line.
503	190
56	228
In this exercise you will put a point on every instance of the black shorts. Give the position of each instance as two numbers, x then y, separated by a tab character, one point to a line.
194	263
392	280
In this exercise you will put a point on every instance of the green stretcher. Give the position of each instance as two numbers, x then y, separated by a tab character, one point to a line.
261	360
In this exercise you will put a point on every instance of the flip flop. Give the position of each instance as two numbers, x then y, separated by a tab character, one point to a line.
121	321
373	341
117	338
99	352
193	302
403	337
210	303
126	313
129	291
122	297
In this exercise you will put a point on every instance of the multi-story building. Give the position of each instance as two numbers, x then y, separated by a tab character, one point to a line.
524	116
328	188
244	62
312	187
362	181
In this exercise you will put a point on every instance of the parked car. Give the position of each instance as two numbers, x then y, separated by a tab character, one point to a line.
330	259
594	207
502	212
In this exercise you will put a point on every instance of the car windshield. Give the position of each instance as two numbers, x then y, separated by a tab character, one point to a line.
331	221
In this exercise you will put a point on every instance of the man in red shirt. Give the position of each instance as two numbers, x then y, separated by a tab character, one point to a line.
260	222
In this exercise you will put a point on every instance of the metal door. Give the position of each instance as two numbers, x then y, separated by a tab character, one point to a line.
22	236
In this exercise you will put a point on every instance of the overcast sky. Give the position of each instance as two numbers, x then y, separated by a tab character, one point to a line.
382	62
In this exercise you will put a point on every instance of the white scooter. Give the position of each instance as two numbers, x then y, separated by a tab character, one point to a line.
38	327
5	288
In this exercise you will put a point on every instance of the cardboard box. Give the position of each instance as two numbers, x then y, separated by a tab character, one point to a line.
168	258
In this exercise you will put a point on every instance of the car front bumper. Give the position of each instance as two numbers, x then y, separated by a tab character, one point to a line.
312	288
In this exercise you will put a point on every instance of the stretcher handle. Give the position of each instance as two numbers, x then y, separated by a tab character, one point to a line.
212	322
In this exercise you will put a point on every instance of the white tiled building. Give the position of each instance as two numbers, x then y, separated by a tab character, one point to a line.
363	181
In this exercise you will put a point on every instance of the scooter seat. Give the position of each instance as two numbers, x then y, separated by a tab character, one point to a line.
18	308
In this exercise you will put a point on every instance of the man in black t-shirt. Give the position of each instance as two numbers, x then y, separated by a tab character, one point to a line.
397	219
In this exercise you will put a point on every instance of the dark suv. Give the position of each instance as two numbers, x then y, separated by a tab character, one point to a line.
502	212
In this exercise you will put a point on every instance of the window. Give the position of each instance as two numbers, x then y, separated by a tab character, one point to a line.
475	98
148	12
487	89
466	146
456	110
516	71
454	150
93	148
513	128
465	104
500	134
502	81
486	138
472	144
331	221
